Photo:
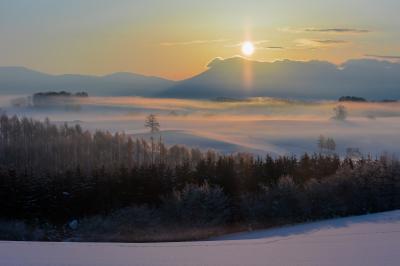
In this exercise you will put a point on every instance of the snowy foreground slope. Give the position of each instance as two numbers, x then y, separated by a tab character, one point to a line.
362	240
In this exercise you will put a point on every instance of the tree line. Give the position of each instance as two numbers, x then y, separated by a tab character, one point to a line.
58	173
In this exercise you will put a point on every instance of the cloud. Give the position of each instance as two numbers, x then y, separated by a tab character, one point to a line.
260	42
337	30
390	57
290	30
318	43
271	48
194	42
324	30
330	41
215	62
256	43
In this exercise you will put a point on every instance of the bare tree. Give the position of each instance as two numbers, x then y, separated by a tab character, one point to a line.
321	143
330	145
353	153
326	145
152	123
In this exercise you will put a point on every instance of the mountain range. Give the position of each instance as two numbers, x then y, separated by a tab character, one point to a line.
20	80
233	77
238	77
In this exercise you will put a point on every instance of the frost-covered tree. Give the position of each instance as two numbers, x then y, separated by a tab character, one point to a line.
330	145
340	112
153	125
321	143
199	205
326	145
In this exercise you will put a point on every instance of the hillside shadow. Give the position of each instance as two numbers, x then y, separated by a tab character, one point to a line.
306	228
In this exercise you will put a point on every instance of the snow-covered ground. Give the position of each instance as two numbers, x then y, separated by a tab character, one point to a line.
258	125
362	240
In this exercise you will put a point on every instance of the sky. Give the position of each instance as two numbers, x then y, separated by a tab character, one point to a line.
176	39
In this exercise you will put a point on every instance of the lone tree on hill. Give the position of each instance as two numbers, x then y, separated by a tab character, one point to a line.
152	123
340	112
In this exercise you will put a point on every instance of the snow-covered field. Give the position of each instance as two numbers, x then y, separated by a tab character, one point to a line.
362	240
258	125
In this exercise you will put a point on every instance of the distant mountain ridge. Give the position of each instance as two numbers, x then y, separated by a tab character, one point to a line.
238	77
227	78
21	80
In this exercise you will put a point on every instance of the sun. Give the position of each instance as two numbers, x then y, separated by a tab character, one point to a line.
248	48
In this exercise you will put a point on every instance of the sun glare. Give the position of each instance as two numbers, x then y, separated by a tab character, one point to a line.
247	48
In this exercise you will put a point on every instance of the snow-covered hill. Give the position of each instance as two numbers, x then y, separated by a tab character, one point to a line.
206	141
362	240
257	125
